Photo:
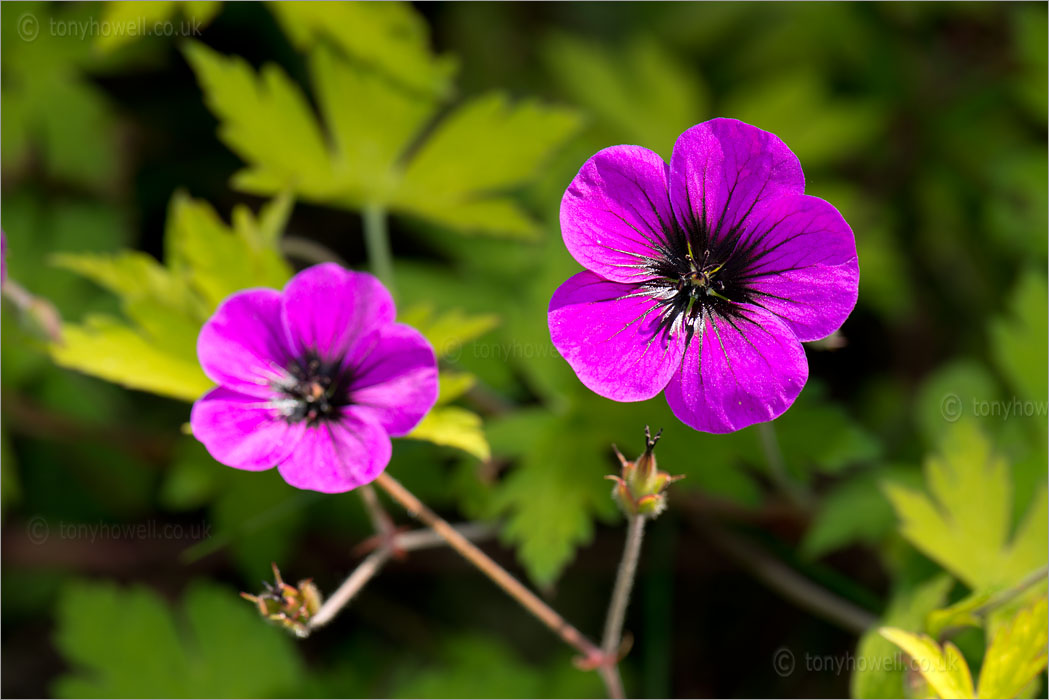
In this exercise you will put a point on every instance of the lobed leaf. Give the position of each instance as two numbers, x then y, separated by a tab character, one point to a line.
964	523
212	648
388	36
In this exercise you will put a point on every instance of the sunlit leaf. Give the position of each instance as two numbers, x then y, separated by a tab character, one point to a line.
877	674
452	426
486	145
106	348
453	385
945	668
219	261
1016	654
267	121
130	21
450	330
964	523
389	36
457	177
1019	343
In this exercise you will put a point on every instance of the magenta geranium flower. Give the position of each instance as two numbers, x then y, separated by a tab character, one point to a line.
702	278
313	380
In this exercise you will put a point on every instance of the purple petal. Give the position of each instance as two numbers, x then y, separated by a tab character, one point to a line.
737	372
327	308
616	211
242	346
243	431
721	169
805	269
339	455
609	333
395	377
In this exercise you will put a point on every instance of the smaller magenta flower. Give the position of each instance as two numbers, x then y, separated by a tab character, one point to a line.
313	380
703	277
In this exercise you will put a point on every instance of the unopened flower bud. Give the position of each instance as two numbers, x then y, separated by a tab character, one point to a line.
640	488
289	606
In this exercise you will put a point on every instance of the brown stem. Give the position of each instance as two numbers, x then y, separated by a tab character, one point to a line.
612	638
530	601
351	586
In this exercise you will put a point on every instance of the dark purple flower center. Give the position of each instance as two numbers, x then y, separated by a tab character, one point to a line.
315	391
697	277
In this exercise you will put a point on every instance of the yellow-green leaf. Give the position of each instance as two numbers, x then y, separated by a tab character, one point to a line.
1017	653
453	385
451	426
267	121
944	669
388	36
964	522
450	330
106	348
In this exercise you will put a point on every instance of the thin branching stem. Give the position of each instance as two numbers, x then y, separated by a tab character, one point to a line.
592	656
373	563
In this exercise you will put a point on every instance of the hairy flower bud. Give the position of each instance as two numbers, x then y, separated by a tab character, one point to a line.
289	606
640	487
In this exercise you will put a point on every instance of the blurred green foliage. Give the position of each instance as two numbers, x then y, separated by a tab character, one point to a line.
923	123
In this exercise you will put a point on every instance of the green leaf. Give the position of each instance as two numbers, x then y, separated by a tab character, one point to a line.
452	426
51	109
389	36
130	21
1017	653
450	330
944	669
219	261
133	276
855	511
106	348
964	524
267	121
877	675
166	306
1020	342
798	107
552	494
644	93
453	385
487	145
476	666
957	615
456	178
212	648
370	124
951	393
843	442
